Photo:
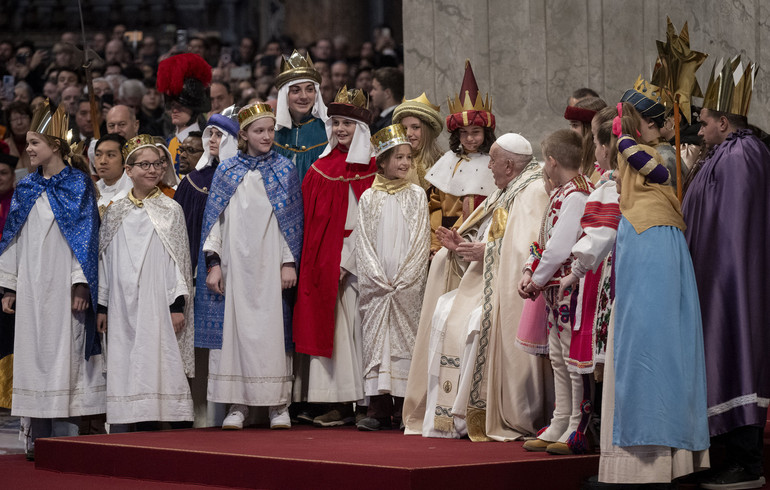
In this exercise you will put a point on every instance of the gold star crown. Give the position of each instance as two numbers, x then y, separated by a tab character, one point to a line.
251	113
675	69
389	137
730	86
137	142
297	67
55	124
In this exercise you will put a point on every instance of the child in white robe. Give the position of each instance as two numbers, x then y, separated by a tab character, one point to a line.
393	246
144	302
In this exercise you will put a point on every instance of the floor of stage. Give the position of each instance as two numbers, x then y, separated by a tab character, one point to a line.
303	457
306	457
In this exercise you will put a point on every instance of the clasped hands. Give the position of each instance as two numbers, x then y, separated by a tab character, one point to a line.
451	240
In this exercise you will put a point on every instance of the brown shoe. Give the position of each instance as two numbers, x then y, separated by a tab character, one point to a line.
558	448
536	445
340	415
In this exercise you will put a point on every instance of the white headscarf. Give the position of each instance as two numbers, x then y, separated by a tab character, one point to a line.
282	115
360	150
228	147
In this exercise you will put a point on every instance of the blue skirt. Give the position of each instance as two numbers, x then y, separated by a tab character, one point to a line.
660	371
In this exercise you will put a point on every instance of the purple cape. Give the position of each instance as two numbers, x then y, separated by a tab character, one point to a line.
191	195
727	212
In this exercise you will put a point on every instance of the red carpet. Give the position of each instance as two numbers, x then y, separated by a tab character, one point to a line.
311	458
18	473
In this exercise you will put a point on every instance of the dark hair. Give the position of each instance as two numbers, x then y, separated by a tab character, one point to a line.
589	150
224	84
195	134
383	157
201	39
604	136
391	78
565	146
457	147
584	92
60	69
363	69
18	107
120	140
736	120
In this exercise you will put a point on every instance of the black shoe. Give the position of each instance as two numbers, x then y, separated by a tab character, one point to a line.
304	417
371	424
735	477
30	455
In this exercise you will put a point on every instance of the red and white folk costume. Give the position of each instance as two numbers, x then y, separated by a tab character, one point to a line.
559	232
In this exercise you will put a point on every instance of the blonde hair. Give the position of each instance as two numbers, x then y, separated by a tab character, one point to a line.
427	151
60	146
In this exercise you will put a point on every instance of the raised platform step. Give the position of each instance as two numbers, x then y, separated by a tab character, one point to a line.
306	457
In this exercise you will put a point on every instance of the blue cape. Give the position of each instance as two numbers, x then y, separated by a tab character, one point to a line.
283	191
71	194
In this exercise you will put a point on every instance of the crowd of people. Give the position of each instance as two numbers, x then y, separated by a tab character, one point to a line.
301	248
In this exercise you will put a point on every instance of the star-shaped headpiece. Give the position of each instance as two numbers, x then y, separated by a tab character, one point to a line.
675	69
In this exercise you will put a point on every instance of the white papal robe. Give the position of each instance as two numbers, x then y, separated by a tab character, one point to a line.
51	378
252	367
138	280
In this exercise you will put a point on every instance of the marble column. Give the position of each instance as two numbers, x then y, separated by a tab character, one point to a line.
531	54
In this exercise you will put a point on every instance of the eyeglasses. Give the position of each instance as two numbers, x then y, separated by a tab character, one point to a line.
189	149
157	165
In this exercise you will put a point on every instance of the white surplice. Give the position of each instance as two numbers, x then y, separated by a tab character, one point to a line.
110	193
51	378
340	377
138	281
252	367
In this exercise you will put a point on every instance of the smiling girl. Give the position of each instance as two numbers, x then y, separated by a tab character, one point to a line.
392	252
461	178
48	269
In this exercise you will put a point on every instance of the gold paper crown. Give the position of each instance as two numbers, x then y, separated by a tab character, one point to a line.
730	86
456	107
54	124
467	100
251	113
296	67
137	142
352	104
647	89
389	137
420	108
353	96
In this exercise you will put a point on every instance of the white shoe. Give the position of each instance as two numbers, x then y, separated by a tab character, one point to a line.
235	417
279	417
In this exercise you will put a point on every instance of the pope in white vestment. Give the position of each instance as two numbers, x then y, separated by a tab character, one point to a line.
463	366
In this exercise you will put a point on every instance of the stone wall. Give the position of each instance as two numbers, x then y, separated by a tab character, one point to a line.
531	54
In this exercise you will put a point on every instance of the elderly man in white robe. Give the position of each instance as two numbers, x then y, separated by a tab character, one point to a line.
468	324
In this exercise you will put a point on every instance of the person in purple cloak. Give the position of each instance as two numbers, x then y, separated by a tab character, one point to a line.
727	212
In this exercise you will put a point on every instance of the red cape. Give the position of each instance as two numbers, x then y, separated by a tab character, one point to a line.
325	195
